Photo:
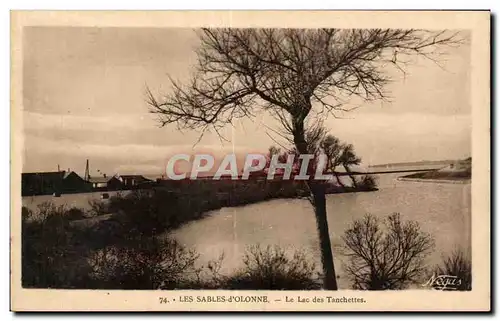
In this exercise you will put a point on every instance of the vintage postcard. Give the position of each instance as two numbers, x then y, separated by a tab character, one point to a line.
250	161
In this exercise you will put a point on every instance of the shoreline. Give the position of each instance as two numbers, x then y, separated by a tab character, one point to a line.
434	180
224	202
93	221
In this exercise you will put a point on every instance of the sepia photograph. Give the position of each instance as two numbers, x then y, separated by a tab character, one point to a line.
241	161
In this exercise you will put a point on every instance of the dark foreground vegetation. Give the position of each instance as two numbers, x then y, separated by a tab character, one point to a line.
131	249
59	250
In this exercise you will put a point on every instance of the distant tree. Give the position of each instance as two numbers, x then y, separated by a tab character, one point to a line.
337	153
348	159
332	147
282	155
273	150
293	74
385	256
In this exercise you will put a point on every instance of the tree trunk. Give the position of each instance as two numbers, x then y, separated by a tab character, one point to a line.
329	276
319	203
339	181
353	179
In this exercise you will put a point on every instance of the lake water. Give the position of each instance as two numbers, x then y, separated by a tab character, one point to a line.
442	209
80	200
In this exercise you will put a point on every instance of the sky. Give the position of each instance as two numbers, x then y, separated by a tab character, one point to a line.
84	97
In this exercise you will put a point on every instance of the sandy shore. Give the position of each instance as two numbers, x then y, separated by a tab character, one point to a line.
429	180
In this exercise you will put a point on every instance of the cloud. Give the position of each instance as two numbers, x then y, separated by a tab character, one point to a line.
129	142
401	126
380	138
68	122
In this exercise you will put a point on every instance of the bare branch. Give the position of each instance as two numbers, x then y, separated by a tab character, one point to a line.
285	71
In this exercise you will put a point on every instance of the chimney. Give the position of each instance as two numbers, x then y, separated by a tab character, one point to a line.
104	175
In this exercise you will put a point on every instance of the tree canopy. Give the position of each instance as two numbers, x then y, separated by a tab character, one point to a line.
288	71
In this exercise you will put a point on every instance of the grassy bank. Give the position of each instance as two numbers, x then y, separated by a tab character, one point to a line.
441	175
227	193
457	171
174	203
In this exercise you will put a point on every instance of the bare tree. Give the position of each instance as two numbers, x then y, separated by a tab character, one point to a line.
292	74
382	257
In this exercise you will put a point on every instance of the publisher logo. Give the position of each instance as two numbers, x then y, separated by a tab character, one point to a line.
443	282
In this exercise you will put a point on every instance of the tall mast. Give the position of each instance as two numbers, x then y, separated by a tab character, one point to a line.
87	174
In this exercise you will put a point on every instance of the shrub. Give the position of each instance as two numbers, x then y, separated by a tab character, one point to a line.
148	263
75	213
45	248
154	263
385	256
457	264
367	182
49	213
97	207
147	212
26	214
271	269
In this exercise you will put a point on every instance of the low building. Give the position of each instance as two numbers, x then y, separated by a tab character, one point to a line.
47	183
105	183
73	183
42	183
132	181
